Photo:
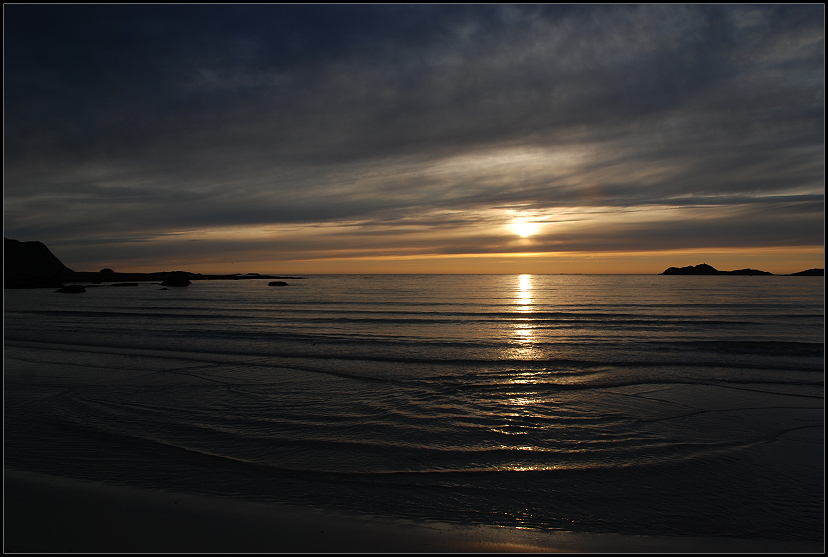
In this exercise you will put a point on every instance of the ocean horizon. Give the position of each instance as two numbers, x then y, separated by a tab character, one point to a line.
625	404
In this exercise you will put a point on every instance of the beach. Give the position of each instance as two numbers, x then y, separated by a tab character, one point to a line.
51	514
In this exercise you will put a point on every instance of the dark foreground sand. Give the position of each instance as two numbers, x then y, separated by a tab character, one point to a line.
50	514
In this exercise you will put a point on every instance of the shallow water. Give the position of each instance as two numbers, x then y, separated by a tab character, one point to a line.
662	405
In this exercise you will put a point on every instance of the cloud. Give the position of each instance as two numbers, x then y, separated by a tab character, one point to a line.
138	122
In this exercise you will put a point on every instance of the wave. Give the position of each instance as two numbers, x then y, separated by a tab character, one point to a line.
619	355
430	464
410	317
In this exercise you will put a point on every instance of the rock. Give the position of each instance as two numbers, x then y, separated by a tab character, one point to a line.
163	288
124	284
72	289
106	271
277	283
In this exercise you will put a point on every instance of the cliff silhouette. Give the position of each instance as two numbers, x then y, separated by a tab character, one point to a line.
31	265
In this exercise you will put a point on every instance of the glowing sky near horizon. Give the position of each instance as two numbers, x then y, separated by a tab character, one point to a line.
406	138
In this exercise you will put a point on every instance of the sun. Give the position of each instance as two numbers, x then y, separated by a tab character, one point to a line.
523	228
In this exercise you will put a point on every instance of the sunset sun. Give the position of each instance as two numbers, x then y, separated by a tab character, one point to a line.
525	229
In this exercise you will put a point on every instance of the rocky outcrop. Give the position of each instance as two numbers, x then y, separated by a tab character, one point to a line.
31	265
810	273
277	283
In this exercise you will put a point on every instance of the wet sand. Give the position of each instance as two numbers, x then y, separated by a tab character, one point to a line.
52	514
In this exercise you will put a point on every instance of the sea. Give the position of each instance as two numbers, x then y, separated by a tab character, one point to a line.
627	404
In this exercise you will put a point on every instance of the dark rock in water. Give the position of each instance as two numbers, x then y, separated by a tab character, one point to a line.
124	284
277	283
810	273
106	271
31	265
176	278
72	289
163	288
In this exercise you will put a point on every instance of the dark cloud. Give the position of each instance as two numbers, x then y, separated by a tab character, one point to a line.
136	121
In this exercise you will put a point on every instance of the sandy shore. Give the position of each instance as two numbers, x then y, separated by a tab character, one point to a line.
51	514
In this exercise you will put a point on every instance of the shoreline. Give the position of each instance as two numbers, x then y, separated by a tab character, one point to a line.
54	514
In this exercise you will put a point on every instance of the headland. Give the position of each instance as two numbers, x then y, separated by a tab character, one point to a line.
33	265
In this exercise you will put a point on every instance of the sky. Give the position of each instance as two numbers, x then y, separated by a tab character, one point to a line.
416	138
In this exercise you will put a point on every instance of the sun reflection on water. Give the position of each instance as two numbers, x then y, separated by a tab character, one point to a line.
524	330
524	294
519	409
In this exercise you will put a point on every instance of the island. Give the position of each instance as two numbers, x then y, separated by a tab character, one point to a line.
33	265
705	269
